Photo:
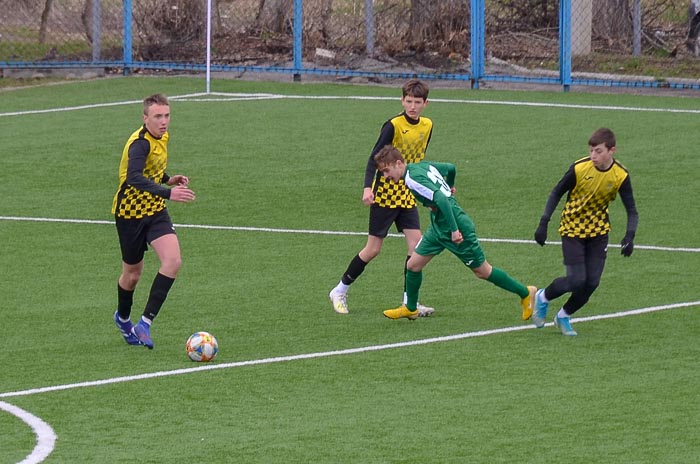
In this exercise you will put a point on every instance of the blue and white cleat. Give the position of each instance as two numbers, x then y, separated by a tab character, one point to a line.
541	308
126	328
564	324
142	331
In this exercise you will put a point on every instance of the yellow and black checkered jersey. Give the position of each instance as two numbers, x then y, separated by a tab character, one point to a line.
411	139
141	172
585	213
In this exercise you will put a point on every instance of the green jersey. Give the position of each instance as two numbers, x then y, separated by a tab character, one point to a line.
431	184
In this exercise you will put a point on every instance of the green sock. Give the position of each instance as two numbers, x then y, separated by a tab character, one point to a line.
500	278
413	283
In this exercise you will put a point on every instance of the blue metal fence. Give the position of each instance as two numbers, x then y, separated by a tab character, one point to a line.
476	74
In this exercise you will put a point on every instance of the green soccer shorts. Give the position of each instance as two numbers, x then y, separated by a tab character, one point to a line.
434	241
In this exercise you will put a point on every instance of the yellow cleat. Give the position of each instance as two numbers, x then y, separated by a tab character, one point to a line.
402	311
528	302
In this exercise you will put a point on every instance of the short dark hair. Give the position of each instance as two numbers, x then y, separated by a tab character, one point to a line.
415	88
155	99
602	135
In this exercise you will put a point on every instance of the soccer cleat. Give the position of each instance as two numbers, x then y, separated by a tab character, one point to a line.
402	311
143	332
540	313
564	324
528	302
126	329
424	311
339	301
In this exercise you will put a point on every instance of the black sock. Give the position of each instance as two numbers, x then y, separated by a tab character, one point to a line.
354	270
125	298
159	292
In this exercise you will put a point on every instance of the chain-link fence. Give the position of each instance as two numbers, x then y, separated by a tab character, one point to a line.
630	40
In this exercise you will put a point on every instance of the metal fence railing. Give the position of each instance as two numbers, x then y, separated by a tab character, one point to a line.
638	43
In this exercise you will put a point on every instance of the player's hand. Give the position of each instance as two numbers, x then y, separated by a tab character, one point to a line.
367	196
181	193
541	233
457	237
627	246
179	179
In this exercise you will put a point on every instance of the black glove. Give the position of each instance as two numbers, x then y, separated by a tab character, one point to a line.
541	232
627	245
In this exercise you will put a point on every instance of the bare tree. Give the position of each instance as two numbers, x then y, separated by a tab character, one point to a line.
613	21
422	22
45	20
86	19
275	16
317	25
26	4
440	24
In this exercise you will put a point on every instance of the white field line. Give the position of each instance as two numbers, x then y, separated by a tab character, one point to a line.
317	232
225	97
90	107
325	354
45	436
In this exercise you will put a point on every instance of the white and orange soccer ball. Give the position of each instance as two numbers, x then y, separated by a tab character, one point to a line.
201	347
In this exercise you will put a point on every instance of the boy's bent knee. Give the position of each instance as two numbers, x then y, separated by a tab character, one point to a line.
170	267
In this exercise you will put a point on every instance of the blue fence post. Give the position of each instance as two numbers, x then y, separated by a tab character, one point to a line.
565	44
297	55
128	61
477	41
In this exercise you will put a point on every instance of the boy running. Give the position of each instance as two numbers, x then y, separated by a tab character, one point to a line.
390	202
592	183
142	218
432	184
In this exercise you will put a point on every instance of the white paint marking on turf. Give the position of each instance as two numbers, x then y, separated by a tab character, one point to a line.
224	97
317	232
45	436
220	96
89	107
324	354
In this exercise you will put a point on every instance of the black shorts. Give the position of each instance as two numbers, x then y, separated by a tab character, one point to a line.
582	250
136	234
381	218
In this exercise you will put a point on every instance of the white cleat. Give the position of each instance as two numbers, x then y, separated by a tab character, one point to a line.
339	302
424	311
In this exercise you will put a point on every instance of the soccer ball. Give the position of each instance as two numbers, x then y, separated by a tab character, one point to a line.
201	347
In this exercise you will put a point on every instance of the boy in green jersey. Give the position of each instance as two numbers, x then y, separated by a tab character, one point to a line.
432	184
